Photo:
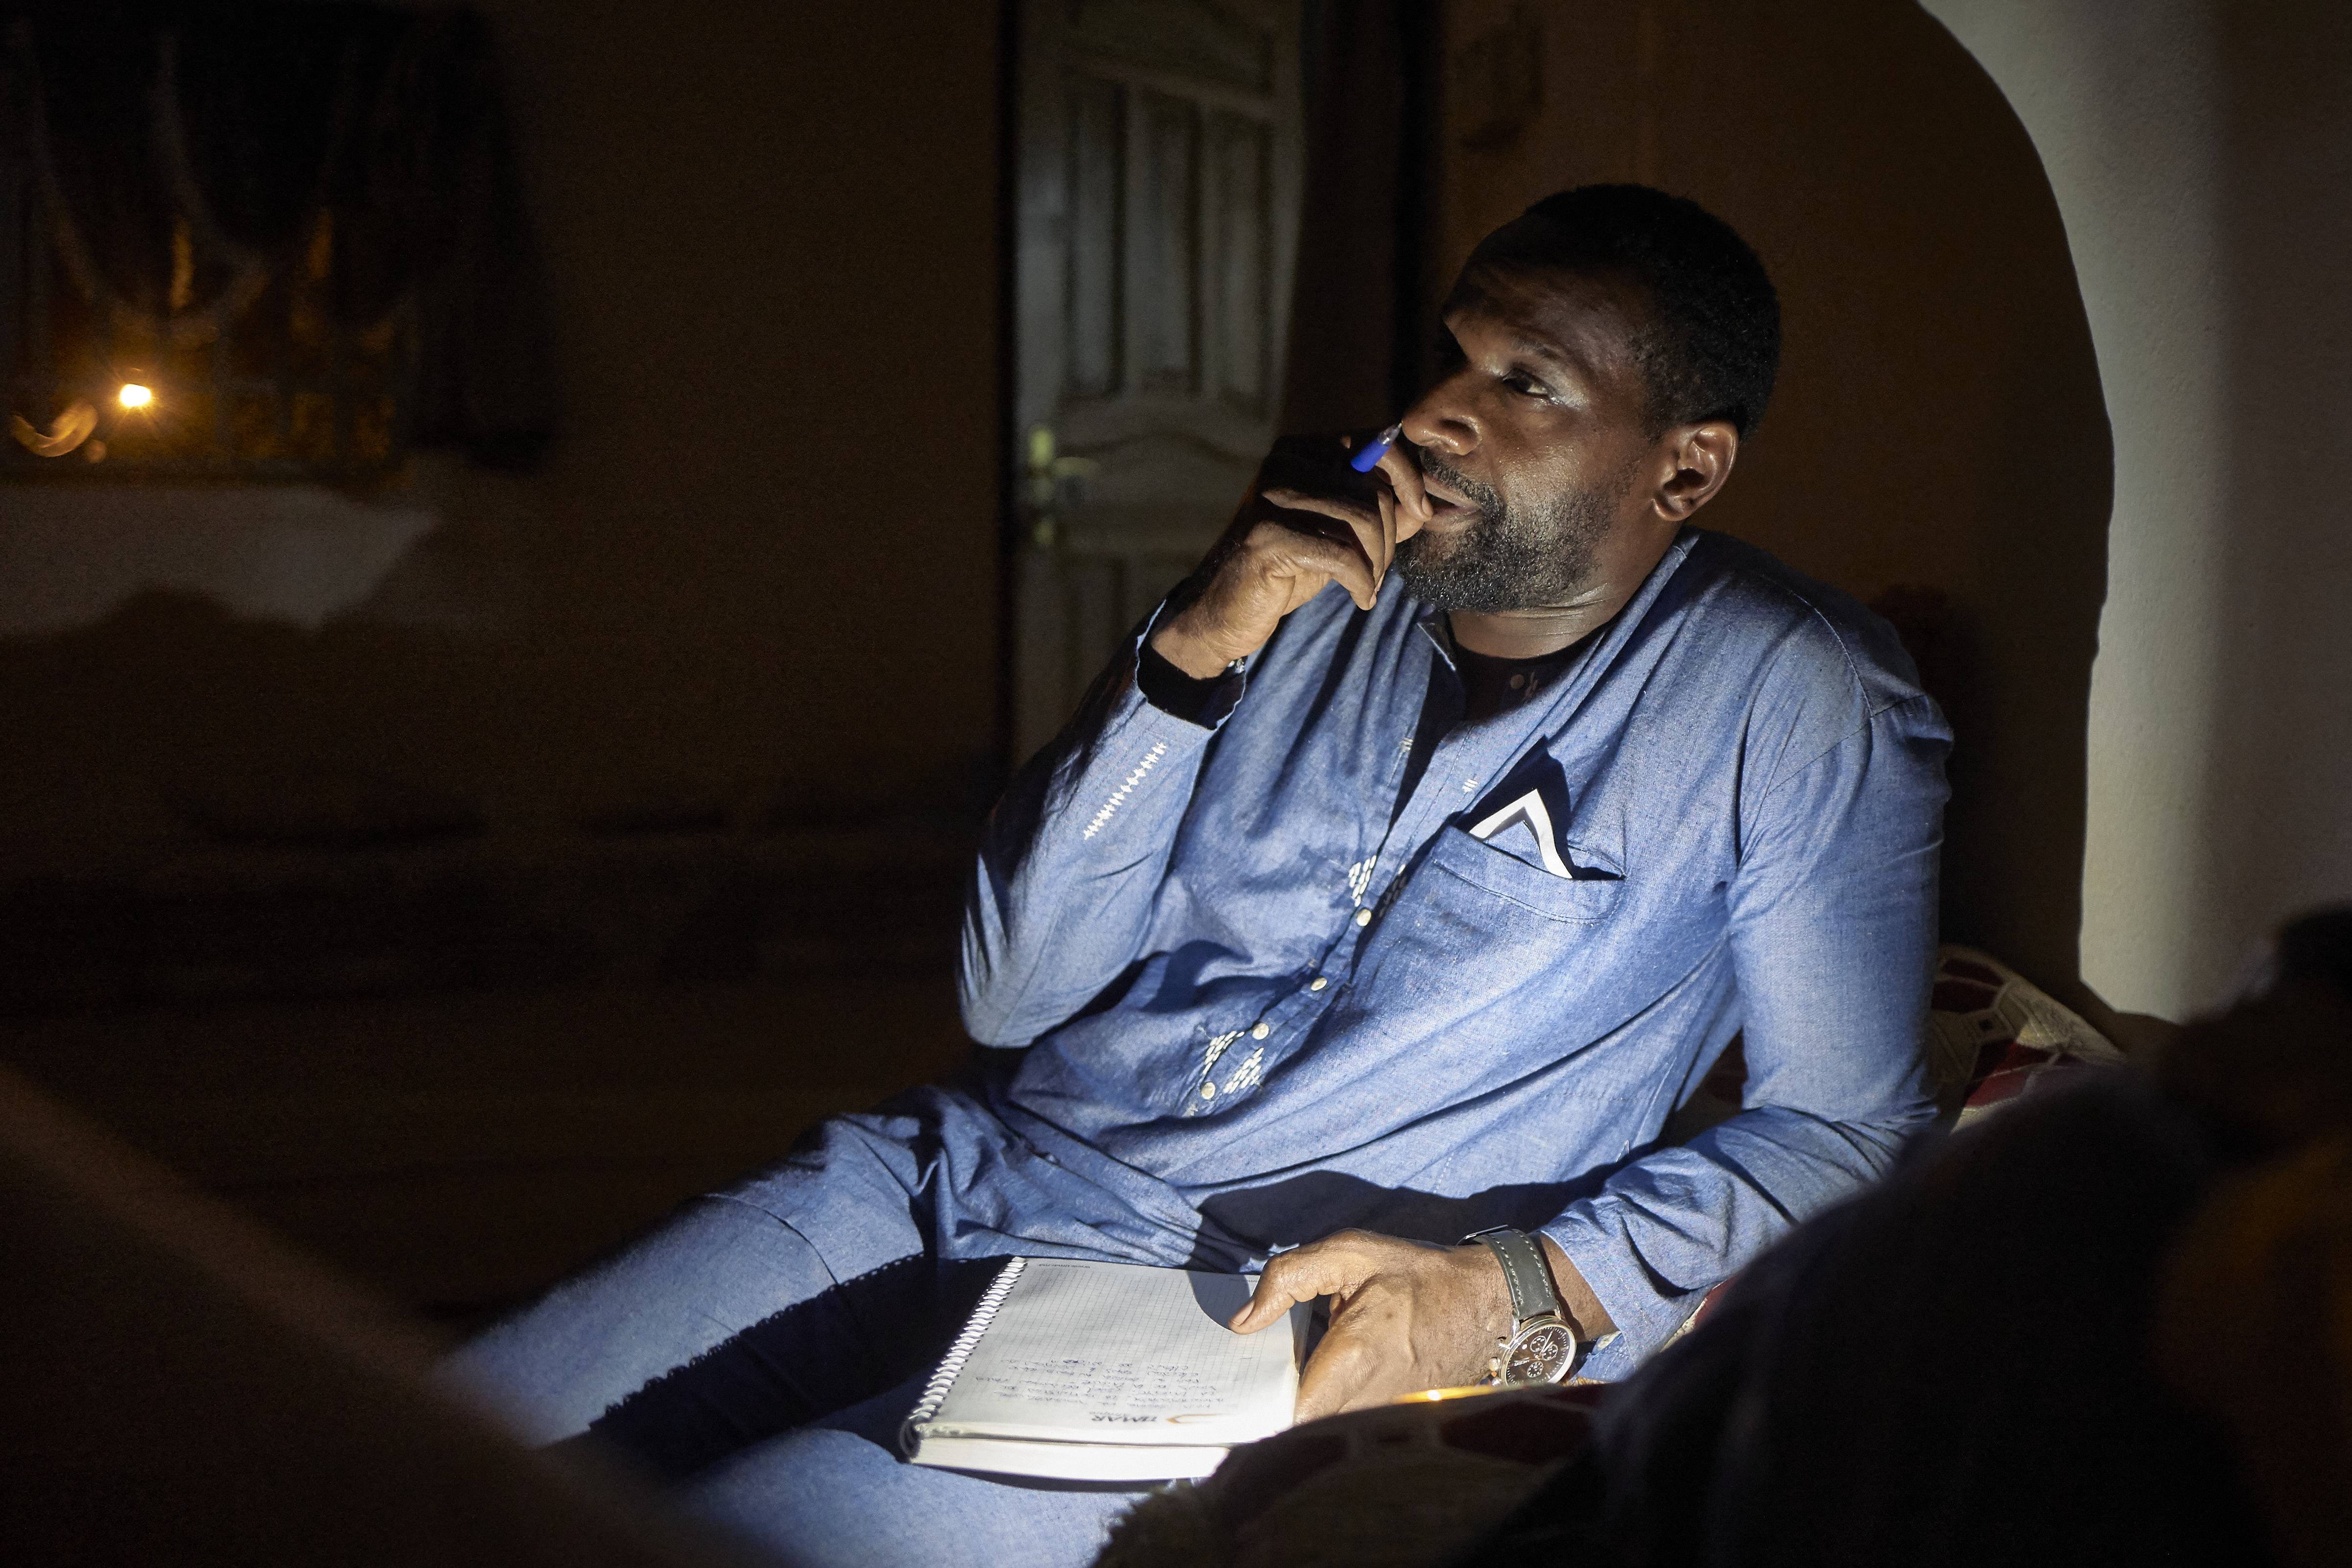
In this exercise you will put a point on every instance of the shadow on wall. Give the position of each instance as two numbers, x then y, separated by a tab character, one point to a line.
2279	756
1938	429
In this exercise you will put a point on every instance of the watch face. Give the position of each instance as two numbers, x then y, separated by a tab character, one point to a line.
1539	1353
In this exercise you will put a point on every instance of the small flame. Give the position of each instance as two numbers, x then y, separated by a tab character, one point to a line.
133	395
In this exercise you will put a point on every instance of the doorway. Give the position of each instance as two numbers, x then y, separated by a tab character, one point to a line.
1157	177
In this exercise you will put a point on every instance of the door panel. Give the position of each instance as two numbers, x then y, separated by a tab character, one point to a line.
1097	153
1159	208
1239	261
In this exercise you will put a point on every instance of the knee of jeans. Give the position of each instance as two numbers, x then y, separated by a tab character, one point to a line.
711	1271
823	1496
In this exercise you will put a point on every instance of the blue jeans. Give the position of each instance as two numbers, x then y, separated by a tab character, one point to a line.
757	1353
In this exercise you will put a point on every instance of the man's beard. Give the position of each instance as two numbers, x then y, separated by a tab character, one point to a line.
1508	558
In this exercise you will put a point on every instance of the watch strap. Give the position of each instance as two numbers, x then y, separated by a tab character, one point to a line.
1524	1271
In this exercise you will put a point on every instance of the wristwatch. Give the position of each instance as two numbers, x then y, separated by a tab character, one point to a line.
1541	1345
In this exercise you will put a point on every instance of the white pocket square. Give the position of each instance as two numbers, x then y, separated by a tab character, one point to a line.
1528	809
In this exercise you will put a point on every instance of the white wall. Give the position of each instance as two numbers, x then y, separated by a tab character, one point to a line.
2198	150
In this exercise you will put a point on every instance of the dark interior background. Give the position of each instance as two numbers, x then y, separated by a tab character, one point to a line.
615	830
605	828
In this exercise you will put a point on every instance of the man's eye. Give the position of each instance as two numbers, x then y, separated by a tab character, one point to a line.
1526	385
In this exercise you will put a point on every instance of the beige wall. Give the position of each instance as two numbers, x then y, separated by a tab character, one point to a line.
1937	422
2201	150
761	563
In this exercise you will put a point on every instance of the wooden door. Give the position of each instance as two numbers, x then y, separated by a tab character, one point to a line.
1158	192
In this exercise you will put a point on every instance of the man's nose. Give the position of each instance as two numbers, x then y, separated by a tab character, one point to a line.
1441	422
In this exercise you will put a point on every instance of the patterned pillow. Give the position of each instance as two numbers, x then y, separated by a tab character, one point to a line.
1993	1035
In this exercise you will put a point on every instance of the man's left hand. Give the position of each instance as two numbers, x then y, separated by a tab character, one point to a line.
1405	1315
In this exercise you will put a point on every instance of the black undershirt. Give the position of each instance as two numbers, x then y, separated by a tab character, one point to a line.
1481	689
1490	684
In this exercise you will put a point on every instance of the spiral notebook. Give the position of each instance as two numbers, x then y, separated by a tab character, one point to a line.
1105	1372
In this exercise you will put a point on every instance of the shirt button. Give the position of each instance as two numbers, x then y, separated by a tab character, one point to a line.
1318	983
1364	917
1261	1032
1518	681
1208	1092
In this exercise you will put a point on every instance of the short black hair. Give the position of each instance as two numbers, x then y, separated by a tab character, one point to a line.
1713	345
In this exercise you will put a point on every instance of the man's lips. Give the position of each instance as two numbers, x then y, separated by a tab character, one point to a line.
1446	504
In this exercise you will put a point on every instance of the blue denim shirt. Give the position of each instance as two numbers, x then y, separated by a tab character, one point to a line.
1269	978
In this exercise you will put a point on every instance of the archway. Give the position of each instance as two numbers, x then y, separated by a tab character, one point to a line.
1938	442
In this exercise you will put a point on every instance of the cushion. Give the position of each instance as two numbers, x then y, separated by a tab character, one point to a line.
1993	1036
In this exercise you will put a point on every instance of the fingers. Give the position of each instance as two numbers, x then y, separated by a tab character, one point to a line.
1324	1268
1311	558
1405	1315
1403	474
1364	527
1344	564
1259	577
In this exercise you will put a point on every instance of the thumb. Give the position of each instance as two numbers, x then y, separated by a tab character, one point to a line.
1318	1269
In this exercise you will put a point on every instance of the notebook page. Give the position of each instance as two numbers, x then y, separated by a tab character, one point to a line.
1123	1353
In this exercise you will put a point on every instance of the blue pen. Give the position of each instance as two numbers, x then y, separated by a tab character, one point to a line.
1364	462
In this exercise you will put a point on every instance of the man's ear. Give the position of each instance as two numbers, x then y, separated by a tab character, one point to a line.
1701	456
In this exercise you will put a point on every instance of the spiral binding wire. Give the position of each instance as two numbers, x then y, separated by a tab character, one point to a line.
952	1365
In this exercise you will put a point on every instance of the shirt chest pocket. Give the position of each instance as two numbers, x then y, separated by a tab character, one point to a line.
1473	926
1456	859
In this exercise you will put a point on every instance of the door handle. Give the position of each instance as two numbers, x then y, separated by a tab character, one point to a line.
1047	473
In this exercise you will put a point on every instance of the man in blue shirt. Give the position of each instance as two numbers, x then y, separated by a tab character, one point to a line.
1412	867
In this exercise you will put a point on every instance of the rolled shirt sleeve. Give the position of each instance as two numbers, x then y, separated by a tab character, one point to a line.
1831	930
1075	853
